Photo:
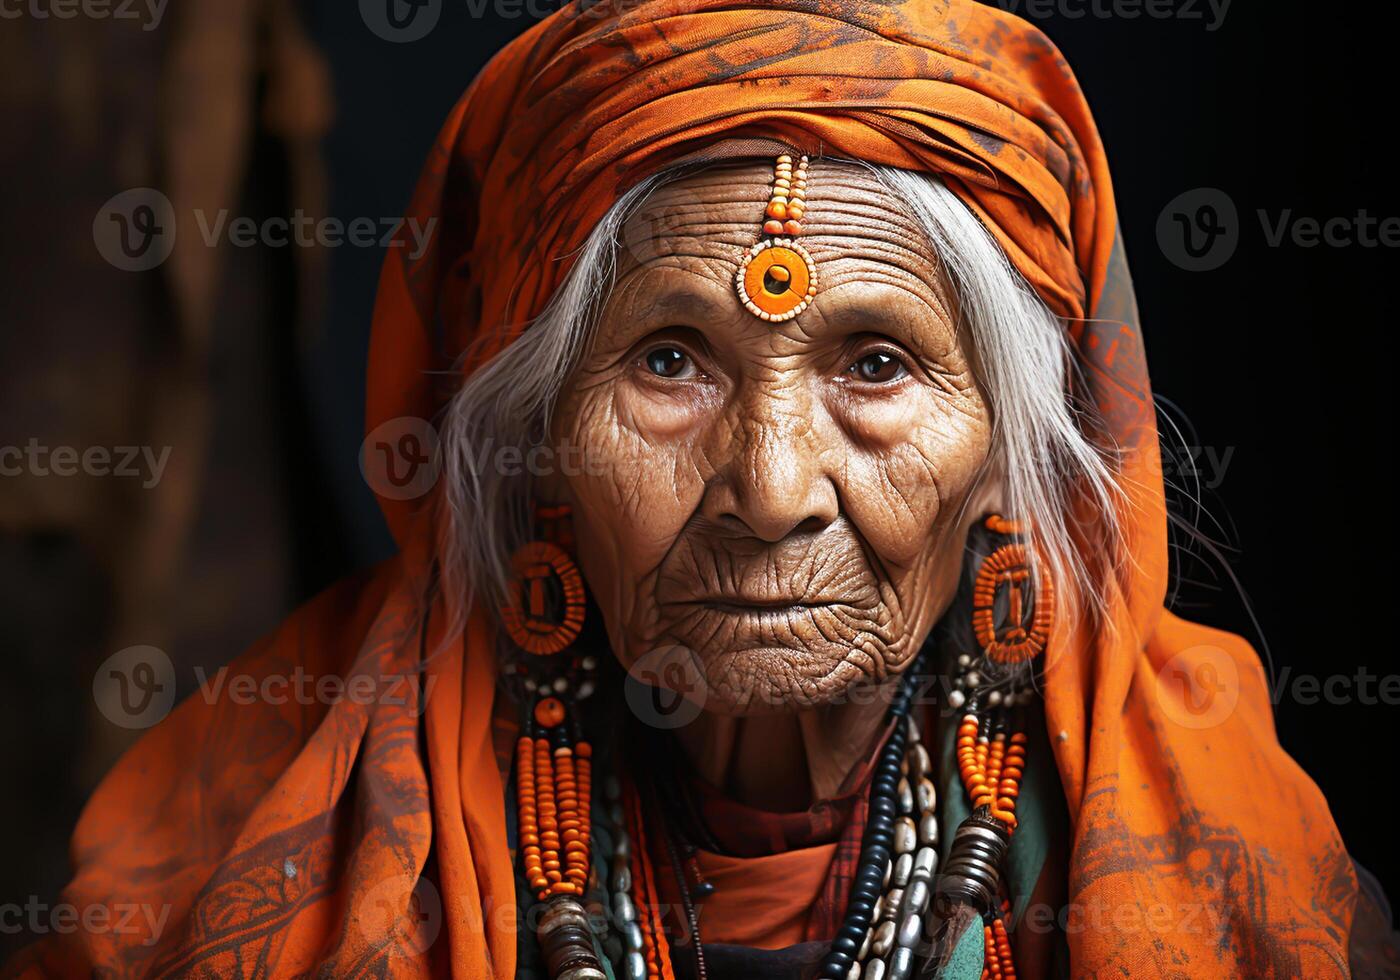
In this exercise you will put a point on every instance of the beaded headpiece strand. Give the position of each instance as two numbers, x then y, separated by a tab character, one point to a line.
778	278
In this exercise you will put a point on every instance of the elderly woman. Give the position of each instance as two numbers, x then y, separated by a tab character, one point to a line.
822	635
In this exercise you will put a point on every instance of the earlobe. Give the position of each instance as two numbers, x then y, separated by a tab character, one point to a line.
988	494
550	488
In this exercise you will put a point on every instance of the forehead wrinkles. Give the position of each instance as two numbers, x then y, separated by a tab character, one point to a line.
856	230
714	213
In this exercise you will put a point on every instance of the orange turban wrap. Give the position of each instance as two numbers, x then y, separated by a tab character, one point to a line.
288	839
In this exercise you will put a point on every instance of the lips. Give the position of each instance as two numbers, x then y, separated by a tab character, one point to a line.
740	575
749	605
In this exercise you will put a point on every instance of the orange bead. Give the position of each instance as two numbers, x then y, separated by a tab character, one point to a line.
792	228
772	227
549	712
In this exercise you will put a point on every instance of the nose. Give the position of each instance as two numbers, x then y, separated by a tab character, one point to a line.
772	481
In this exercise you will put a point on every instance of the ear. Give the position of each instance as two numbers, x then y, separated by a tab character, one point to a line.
549	484
988	496
550	488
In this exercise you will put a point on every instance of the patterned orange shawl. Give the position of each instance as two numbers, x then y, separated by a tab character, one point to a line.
288	839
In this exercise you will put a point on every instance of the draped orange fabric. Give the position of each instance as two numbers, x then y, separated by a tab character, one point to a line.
761	901
286	839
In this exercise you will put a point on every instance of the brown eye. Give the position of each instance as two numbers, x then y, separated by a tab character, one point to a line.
667	362
878	368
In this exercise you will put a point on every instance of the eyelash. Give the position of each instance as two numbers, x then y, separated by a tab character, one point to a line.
693	364
894	353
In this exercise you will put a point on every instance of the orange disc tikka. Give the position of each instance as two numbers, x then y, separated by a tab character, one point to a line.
777	280
1017	641
537	624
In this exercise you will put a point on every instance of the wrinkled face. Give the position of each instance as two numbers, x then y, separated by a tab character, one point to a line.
783	500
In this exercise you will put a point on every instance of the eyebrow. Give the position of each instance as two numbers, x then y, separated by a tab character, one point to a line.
688	298
847	316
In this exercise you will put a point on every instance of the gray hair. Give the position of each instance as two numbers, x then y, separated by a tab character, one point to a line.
1048	444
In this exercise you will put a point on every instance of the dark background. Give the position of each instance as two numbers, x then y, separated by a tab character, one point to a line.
1279	361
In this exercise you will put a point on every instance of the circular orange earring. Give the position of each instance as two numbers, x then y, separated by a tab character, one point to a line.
544	613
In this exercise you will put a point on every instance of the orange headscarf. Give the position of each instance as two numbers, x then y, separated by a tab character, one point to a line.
289	838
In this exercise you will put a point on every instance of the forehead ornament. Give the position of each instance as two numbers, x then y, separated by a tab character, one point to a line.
778	278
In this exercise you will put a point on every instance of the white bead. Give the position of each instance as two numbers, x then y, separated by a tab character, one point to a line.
957	699
905	797
906	835
925	795
884	939
909	928
623	907
903	868
916	897
919	762
925	860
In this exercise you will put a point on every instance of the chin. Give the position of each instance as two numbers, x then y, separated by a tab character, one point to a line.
767	678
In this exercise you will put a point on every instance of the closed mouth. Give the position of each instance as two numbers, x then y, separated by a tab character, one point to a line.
734	606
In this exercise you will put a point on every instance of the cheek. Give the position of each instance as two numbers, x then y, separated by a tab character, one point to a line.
915	459
636	489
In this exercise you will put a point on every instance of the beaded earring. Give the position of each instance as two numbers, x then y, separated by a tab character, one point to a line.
1011	617
778	278
543	616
